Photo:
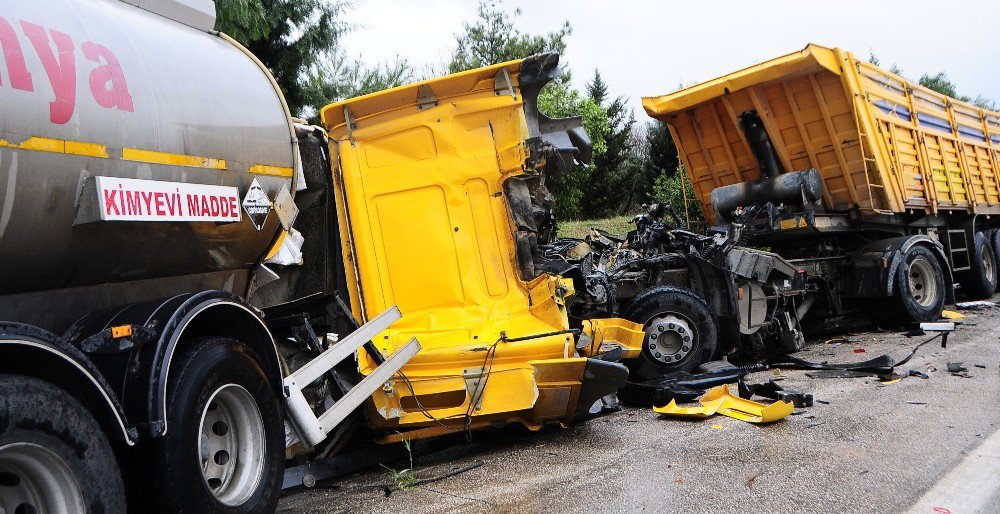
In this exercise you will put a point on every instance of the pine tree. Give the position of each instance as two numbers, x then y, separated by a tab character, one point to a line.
493	38
602	192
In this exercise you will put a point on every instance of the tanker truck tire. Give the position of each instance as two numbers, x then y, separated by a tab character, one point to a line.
53	455
681	332
224	447
919	292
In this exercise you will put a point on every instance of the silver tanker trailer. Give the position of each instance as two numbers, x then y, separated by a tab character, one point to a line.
148	168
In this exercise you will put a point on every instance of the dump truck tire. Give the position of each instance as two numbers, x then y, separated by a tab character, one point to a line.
224	447
993	236
919	291
681	332
980	282
53	455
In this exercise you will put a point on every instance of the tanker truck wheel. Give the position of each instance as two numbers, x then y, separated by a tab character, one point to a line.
980	281
225	442
53	455
919	290
681	332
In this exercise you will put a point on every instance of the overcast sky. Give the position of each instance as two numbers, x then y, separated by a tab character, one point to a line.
648	47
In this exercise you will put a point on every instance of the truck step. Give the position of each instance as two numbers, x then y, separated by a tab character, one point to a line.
958	250
312	429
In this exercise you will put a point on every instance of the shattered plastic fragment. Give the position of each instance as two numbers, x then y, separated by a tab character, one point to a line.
718	400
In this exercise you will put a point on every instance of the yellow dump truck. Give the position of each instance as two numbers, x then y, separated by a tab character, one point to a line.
879	187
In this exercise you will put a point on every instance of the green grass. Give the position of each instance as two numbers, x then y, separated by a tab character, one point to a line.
579	229
402	478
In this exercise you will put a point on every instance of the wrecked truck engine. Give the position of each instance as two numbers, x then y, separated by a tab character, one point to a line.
698	297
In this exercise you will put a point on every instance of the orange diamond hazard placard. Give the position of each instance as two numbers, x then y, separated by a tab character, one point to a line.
256	204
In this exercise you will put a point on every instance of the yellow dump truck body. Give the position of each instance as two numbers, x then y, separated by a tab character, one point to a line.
427	227
881	144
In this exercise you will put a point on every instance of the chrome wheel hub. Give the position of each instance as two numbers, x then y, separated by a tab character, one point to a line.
923	285
34	479
669	338
231	444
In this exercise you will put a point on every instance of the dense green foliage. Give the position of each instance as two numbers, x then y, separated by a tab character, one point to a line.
559	100
673	190
299	42
609	174
493	38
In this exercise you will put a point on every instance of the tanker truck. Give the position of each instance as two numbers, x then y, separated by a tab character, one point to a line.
175	250
884	191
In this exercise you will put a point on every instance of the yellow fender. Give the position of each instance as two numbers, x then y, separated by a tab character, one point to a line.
719	400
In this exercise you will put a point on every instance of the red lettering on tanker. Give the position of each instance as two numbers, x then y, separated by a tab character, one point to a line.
14	57
56	52
107	81
123	199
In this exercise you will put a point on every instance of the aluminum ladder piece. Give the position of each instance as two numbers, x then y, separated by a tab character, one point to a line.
313	429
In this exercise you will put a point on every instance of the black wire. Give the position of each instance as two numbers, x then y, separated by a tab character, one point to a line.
485	372
915	348
491	351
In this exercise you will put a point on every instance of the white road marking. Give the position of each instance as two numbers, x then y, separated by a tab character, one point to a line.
973	482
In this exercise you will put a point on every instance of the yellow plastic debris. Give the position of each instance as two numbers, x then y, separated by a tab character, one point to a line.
747	410
952	315
705	410
718	400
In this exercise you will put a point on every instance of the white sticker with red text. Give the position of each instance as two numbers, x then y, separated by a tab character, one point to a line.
128	199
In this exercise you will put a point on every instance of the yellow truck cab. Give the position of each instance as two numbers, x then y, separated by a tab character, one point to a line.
440	187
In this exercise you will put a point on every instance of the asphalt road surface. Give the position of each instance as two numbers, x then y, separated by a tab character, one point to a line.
918	445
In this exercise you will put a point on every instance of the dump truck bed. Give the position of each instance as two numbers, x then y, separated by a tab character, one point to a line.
881	144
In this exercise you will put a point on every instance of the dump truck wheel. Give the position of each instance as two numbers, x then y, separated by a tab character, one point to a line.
981	281
681	332
224	447
994	237
919	290
53	455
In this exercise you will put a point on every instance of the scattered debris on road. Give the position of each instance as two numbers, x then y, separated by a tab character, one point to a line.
772	390
681	385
